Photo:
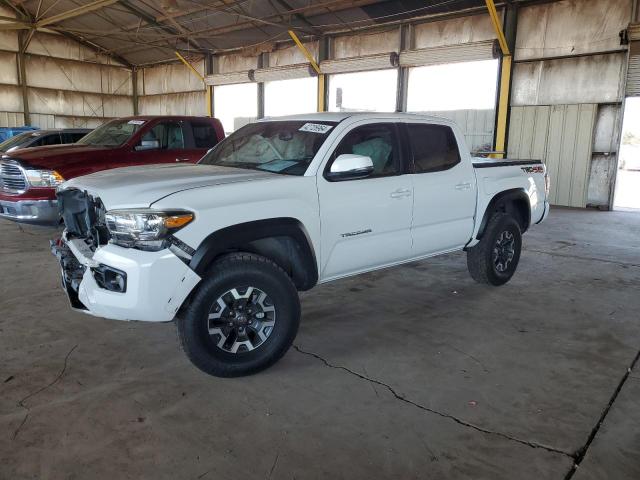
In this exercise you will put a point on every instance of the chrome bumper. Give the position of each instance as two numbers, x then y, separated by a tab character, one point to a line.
34	212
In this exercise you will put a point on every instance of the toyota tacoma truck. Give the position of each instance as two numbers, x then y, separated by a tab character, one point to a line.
29	176
279	206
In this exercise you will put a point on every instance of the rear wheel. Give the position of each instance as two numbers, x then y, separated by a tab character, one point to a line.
495	258
242	319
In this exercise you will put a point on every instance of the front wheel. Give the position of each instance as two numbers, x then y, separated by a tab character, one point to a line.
242	319
495	258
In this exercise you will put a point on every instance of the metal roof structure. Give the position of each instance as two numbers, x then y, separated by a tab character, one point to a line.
141	32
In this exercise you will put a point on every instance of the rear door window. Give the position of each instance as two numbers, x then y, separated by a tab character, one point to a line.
434	147
204	135
47	139
72	137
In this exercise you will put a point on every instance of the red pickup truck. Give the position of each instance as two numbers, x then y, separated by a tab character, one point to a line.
29	177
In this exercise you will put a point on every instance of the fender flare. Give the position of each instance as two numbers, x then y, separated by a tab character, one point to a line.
304	267
507	196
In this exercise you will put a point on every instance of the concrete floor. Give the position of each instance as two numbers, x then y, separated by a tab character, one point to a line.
415	372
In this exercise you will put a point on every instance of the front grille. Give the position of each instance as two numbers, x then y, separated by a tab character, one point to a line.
12	178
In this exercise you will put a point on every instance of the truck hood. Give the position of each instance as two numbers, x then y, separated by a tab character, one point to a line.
139	187
69	160
54	156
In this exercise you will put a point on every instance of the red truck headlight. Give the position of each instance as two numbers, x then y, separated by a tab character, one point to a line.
43	178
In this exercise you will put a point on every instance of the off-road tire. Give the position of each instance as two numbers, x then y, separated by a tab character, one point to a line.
481	260
237	271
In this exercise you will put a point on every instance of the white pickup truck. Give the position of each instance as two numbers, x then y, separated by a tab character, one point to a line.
278	207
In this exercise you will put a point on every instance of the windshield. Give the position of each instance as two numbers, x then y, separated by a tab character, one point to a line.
112	134
16	141
285	147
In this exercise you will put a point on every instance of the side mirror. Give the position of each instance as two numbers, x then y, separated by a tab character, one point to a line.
147	145
350	167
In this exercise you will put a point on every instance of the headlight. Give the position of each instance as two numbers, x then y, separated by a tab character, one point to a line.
43	178
144	228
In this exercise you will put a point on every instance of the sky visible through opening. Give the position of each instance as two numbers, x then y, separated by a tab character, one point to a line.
455	86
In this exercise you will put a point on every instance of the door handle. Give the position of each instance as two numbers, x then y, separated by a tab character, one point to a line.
463	186
182	159
401	192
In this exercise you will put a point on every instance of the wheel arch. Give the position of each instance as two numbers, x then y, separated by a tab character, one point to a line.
284	240
514	202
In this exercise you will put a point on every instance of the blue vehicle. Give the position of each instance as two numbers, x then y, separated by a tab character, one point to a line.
8	132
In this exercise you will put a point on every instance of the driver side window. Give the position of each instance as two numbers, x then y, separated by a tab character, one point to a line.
164	136
377	141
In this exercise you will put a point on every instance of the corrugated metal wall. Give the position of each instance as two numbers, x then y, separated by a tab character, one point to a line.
477	126
568	85
171	90
10	93
68	84
562	136
11	119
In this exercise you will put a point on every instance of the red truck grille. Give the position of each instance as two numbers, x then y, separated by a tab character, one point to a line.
12	178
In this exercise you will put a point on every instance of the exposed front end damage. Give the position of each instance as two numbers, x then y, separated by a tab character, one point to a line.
72	272
80	213
83	217
111	281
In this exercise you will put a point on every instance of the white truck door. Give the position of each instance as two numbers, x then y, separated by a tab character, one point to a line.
444	189
365	223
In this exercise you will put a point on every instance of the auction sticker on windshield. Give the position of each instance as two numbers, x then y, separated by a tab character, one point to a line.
315	128
135	122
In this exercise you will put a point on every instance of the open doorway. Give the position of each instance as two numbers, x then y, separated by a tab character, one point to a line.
464	92
627	194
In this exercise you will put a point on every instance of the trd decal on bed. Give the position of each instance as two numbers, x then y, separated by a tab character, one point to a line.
536	169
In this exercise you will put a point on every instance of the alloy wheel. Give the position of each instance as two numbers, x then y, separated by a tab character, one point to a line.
504	251
241	319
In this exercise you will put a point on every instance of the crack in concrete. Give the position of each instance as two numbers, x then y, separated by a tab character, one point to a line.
578	257
22	230
581	453
436	412
52	383
41	389
17	430
202	475
275	462
482	365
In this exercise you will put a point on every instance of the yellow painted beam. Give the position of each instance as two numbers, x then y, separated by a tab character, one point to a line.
505	82
304	50
316	67
322	85
209	102
503	107
190	67
497	26
197	74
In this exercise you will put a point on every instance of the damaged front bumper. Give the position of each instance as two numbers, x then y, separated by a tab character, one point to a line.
155	283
